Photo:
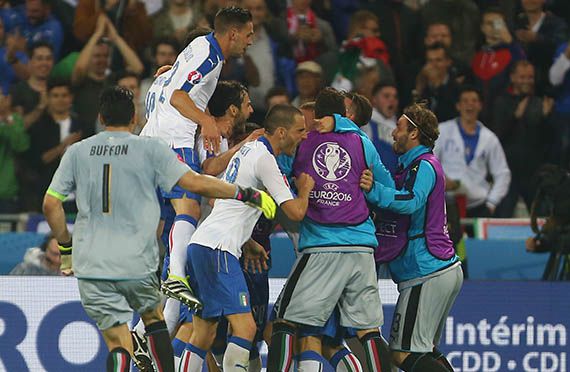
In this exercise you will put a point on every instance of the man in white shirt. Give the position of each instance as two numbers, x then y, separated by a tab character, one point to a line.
215	247
469	153
180	109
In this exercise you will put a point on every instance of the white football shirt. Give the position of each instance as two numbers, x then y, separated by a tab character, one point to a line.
196	71
231	222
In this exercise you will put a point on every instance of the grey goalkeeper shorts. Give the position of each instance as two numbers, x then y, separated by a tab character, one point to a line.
111	302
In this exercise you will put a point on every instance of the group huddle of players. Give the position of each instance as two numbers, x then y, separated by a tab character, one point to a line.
325	175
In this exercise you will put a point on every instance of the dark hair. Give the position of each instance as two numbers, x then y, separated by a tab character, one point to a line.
276	91
280	116
425	121
492	10
46	241
240	132
194	33
378	87
361	108
329	101
233	16
437	46
39	44
469	88
56	82
116	106
123	74
227	93
165	41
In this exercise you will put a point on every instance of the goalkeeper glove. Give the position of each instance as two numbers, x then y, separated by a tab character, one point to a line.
65	251
257	199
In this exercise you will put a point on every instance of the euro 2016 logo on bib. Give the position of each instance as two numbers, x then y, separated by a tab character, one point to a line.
331	161
194	77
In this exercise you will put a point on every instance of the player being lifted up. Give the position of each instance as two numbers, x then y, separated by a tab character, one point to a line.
230	106
215	248
114	176
180	109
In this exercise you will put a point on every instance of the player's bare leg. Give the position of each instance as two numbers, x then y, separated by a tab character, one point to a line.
243	331
177	286
310	357
179	342
202	338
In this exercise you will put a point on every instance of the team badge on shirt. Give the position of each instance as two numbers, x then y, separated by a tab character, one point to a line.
194	77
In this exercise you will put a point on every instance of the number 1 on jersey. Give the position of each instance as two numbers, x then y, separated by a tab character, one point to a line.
106	188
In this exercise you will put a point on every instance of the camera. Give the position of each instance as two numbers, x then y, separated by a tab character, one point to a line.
553	201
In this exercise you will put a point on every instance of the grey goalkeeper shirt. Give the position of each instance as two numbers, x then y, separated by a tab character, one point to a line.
115	176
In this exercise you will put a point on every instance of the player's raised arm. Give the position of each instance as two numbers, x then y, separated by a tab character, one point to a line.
297	208
214	188
187	108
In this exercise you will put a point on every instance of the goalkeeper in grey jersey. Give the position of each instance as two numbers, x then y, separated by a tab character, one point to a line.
114	176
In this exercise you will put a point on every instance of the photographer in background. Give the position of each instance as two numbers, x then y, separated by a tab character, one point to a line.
43	260
553	199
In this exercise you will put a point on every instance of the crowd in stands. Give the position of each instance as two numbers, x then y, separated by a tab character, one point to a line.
496	73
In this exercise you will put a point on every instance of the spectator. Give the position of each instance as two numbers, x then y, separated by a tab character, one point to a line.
312	38
277	96
539	33
13	140
133	22
176	19
438	32
560	78
383	122
131	81
520	124
436	84
470	154
29	96
492	63
441	33
462	17
362	48
164	52
36	23
309	77
50	137
90	71
399	27
44	260
13	60
270	53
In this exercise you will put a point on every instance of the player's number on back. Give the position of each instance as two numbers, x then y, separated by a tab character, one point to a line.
150	103
106	192
169	80
231	173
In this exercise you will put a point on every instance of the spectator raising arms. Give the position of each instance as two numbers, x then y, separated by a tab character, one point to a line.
90	71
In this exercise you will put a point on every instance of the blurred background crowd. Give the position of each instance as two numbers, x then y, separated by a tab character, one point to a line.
496	72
